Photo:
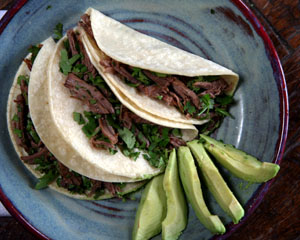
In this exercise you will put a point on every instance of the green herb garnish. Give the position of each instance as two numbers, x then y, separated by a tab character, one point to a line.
127	137
78	118
58	31
65	63
45	180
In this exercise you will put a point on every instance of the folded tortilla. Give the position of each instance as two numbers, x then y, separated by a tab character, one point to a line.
135	49
41	117
62	105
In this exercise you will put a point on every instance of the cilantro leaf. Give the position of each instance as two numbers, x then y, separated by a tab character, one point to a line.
78	118
189	108
139	75
65	63
34	50
18	132
127	137
23	77
224	100
58	31
45	180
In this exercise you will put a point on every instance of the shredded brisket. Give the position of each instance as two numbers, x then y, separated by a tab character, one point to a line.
161	81
85	23
113	189
101	144
108	131
28	63
185	93
30	159
68	178
95	186
127	118
88	94
214	88
72	41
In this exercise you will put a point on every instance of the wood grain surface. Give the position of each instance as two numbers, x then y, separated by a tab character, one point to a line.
278	216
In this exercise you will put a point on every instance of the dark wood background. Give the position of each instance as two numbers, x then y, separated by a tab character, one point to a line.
278	216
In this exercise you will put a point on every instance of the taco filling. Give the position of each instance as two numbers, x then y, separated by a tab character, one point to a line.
107	122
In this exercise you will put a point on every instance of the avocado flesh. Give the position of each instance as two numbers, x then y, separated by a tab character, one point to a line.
239	163
151	211
176	219
192	187
216	184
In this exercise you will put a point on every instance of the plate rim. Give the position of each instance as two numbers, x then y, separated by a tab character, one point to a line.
260	193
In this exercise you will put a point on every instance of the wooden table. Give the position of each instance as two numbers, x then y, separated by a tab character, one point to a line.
278	216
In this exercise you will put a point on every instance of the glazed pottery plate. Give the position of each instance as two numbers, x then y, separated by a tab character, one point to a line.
225	32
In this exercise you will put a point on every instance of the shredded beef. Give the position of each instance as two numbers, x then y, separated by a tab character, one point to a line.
153	91
85	23
28	63
108	131
107	64
176	101
101	144
214	88
121	69
30	159
72	41
112	188
177	142
68	178
86	60
161	81
95	186
127	118
185	93
88	94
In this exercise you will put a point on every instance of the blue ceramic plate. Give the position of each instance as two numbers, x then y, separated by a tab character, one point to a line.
223	31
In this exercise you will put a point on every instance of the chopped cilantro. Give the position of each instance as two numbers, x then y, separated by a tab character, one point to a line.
160	74
212	11
18	132
90	128
58	31
112	151
160	97
15	118
78	118
23	77
48	7
210	78
65	63
189	108
139	75
45	180
176	132
223	112
34	50
127	137
224	100
93	101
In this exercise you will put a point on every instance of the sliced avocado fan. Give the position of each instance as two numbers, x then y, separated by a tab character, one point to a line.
151	211
176	219
192	187
240	163
216	184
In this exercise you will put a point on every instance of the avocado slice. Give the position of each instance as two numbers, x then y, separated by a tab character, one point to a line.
216	184
240	163
151	211
192	187
176	219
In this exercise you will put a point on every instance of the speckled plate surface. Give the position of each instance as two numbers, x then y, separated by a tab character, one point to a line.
223	31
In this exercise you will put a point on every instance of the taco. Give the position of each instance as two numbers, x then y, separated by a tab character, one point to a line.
157	78
26	114
107	134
